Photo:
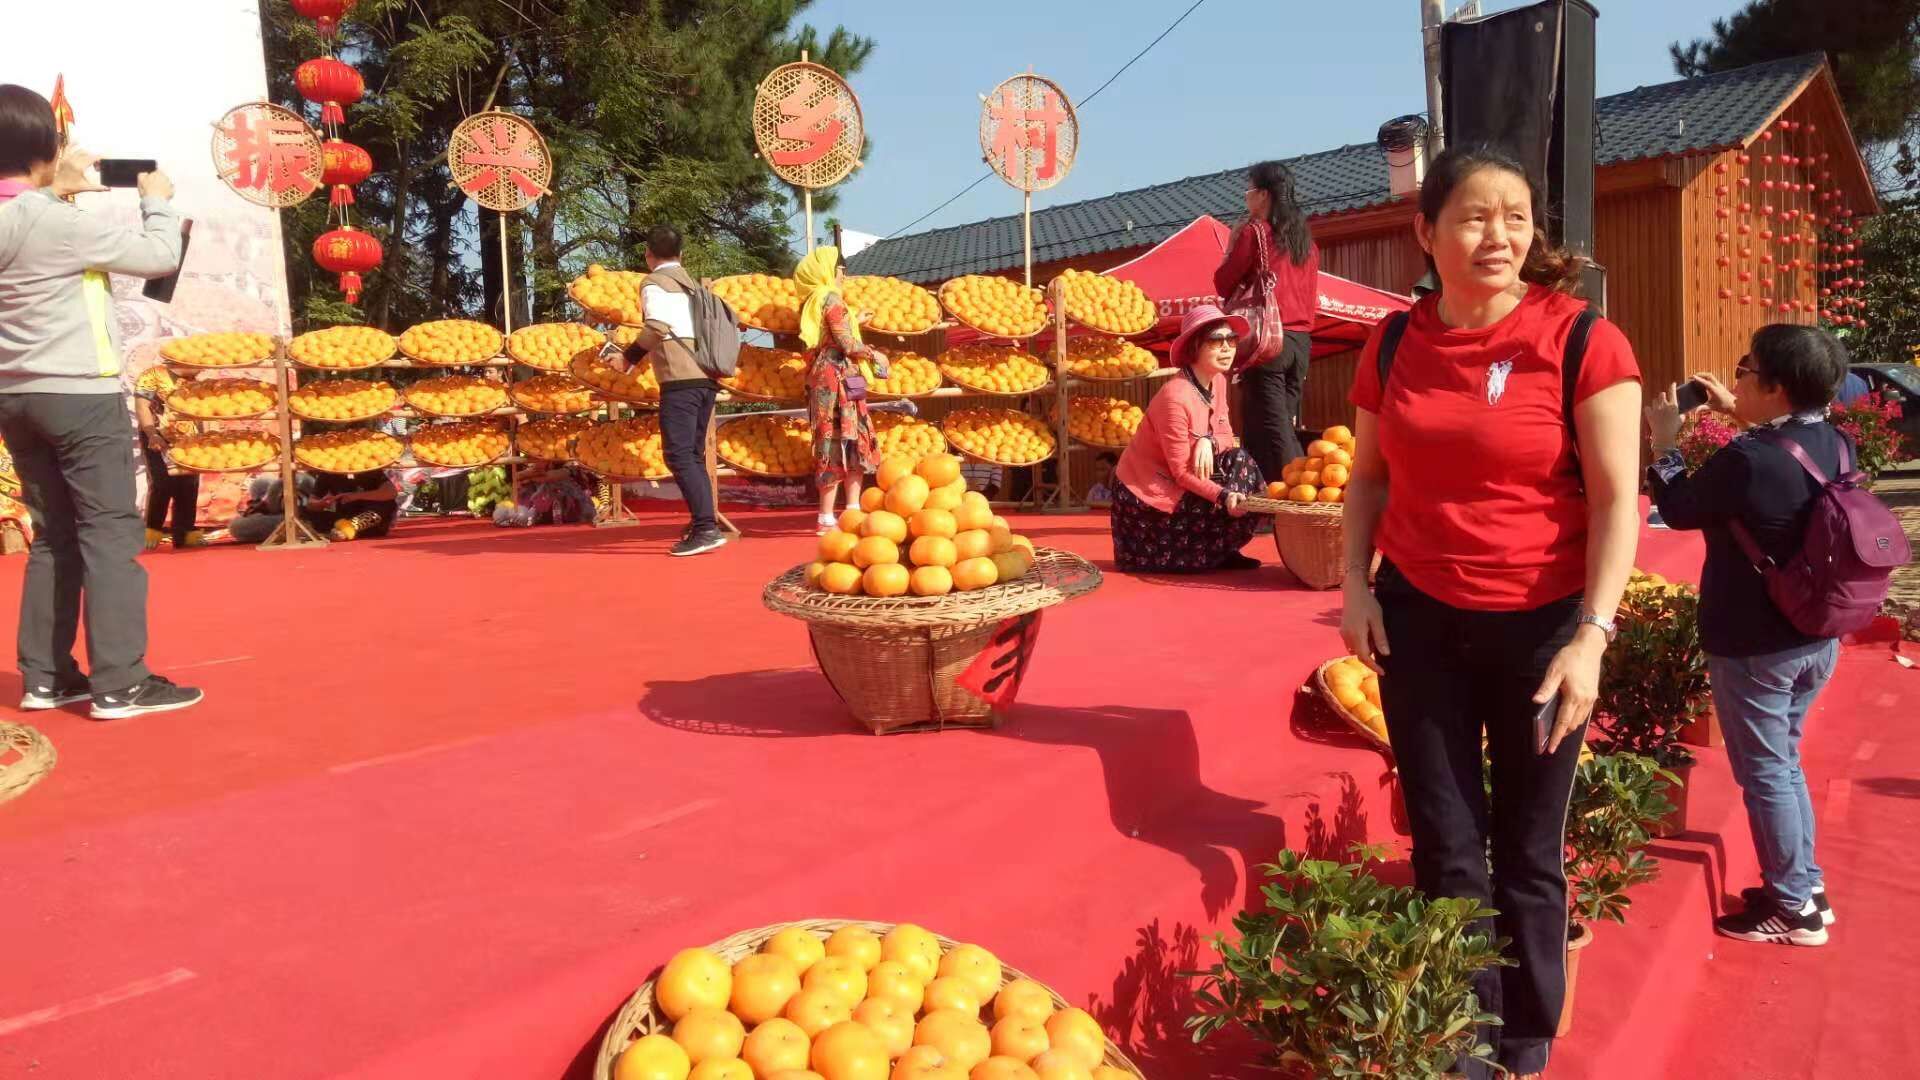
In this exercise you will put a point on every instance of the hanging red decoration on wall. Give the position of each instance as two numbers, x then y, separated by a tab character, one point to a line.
348	252
346	165
326	14
330	84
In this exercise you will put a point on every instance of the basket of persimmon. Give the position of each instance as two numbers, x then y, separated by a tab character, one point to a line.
342	348
892	306
342	401
352	450
1307	504
451	343
778	375
995	306
218	350
1351	689
551	439
773	447
461	444
920	604
552	346
999	436
224	451
839	999
762	301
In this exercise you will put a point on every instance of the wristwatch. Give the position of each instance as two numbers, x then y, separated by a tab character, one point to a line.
1607	626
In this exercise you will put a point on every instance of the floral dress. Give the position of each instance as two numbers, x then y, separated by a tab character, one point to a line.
843	442
1197	536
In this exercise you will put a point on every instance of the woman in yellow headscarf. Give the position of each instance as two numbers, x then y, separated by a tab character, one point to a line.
839	367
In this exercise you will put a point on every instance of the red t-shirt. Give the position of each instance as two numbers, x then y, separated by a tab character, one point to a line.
1296	290
1486	510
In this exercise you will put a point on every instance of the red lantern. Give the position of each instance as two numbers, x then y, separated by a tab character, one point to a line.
1726	294
325	13
348	252
346	165
330	84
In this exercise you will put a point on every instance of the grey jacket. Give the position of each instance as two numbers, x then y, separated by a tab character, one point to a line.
57	330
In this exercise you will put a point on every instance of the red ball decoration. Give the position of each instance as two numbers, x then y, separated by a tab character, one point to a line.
1722	212
346	165
1724	261
325	13
1721	237
330	84
1746	208
1746	298
1766	234
1766	136
1766	159
1746	182
1745	159
1745	228
1746	253
348	252
1812	128
1767	184
1720	167
1720	190
1766	210
1783	309
1746	275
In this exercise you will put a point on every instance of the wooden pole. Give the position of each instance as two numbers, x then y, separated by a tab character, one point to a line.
506	278
1026	234
1063	475
292	532
806	197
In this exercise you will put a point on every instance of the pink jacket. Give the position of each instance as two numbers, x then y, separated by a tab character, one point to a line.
1158	464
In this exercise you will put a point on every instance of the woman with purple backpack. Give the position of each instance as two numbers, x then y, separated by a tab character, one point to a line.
1761	499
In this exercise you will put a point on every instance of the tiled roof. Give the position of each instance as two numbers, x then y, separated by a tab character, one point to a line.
1689	115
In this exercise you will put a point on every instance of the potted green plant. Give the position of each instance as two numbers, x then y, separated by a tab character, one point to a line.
1618	801
1654	686
1344	976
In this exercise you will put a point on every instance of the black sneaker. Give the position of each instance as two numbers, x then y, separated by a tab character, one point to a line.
1768	921
53	697
1240	561
154	695
1758	895
699	543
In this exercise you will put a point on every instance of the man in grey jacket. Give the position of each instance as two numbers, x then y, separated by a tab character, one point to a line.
64	419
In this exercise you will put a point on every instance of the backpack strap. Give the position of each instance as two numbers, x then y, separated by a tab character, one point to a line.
1773	437
1570	363
1390	336
1750	546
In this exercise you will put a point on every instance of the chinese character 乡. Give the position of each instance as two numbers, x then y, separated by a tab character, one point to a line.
814	125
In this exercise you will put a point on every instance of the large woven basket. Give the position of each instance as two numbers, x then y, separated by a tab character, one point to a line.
25	757
896	661
638	1017
1311	539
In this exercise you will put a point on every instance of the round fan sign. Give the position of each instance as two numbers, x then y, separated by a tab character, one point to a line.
268	155
1029	132
499	160
806	122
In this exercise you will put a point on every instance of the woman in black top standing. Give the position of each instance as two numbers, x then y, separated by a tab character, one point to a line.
1766	674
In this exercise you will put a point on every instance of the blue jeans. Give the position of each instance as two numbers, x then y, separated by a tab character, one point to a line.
1763	702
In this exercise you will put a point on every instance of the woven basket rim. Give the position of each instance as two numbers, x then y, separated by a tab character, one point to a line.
274	458
637	1015
513	395
851	278
956	316
977	459
417	456
37	759
743	395
579	362
602	316
408	399
255	362
1099	329
185	415
1057	576
983	391
393	398
1261	505
1096	445
1326	694
399	449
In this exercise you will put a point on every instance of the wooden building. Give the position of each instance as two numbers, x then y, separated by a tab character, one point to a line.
1669	159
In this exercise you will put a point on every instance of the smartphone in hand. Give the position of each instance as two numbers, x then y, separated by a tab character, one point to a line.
124	172
1543	720
1691	395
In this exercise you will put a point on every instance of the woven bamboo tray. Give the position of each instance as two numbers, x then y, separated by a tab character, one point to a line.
465	361
424	411
741	395
638	1017
1078	321
1325	691
955	316
256	359
261	385
977	459
632	279
1057	576
850	286
413	447
519	338
1097	445
294	407
25	757
396	445
514	395
531	449
1310	537
586	359
175	464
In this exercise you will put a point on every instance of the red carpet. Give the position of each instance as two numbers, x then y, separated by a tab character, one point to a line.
454	794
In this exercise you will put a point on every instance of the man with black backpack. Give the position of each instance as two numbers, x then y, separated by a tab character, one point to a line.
692	339
1797	555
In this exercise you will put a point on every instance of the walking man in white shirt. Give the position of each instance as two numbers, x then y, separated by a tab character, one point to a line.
686	393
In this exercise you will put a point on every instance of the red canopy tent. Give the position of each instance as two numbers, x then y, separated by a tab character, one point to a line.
1177	274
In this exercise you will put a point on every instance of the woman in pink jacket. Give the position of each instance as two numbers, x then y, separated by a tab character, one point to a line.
1180	504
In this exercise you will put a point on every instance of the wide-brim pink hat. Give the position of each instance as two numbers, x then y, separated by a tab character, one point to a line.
1198	321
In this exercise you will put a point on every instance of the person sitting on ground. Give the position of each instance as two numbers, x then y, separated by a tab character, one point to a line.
1180	504
165	490
1765	672
1100	492
558	495
340	506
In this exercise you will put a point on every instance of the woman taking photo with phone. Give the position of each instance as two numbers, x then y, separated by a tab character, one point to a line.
1494	469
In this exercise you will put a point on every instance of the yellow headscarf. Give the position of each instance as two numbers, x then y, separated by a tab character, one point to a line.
815	275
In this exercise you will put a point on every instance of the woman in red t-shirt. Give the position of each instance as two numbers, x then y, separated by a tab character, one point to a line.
1506	540
1276	228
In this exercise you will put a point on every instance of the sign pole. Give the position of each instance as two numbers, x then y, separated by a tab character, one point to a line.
1026	234
506	278
806	197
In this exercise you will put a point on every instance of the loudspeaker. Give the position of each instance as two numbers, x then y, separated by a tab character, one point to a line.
1522	80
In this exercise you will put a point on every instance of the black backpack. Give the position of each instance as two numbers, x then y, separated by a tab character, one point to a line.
716	330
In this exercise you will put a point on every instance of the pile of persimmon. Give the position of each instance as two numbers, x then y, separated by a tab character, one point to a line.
225	451
899	435
611	296
908	375
894	306
217	350
552	394
1103	421
762	300
627	448
769	373
451	342
997	369
459	445
768	445
551	439
1321	476
1107	304
996	305
861	1006
1002	436
552	346
342	400
920	531
1098	356
352	450
457	395
1356	689
637	383
342	348
222	399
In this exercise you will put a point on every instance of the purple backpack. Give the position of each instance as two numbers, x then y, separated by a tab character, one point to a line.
1852	546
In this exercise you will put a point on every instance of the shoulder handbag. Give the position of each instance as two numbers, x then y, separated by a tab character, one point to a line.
1253	300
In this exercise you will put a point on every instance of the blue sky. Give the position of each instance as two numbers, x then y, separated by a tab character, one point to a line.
1240	80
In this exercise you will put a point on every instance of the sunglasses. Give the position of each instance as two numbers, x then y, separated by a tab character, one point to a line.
1746	366
1217	339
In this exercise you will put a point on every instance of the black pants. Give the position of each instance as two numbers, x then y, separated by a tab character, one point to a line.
1451	674
685	411
180	493
1270	405
74	454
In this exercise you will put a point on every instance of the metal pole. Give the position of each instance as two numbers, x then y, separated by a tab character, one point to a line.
1432	14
